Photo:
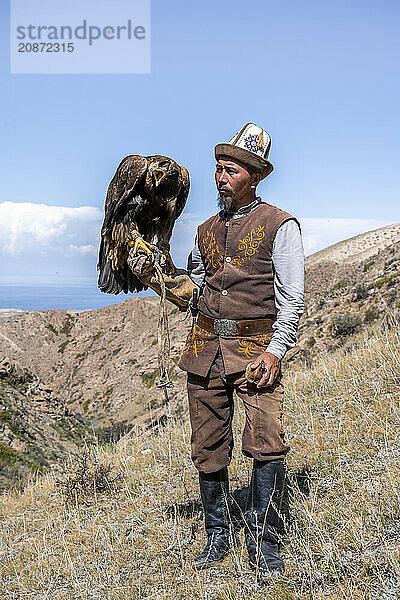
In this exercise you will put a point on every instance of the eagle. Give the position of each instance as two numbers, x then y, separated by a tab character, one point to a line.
144	199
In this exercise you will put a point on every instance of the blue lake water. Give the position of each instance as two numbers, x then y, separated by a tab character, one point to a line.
66	298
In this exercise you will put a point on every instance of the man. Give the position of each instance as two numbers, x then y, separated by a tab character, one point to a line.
249	263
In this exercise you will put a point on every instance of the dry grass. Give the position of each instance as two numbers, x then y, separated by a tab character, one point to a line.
136	539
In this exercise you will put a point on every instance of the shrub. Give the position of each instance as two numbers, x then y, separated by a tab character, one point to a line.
340	285
361	292
66	330
62	346
380	282
371	314
86	478
368	265
51	328
149	378
310	342
9	456
344	324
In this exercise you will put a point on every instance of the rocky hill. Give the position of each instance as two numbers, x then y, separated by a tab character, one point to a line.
36	429
101	365
358	248
348	285
78	373
336	262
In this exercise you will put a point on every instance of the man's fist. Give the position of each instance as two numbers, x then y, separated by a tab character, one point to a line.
272	367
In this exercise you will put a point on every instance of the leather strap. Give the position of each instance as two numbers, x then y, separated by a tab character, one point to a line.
242	328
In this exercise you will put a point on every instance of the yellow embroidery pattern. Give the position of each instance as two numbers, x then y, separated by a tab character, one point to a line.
249	347
211	249
196	341
248	246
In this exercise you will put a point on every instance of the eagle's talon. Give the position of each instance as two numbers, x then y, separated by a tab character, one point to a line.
169	262
166	261
140	243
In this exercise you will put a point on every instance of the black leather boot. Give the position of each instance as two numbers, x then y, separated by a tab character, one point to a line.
214	489
263	519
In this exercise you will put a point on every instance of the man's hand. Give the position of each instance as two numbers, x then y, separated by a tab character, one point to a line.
272	368
179	286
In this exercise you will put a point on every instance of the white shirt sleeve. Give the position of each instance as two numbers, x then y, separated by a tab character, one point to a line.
288	264
195	266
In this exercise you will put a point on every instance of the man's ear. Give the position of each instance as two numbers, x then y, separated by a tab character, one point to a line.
256	180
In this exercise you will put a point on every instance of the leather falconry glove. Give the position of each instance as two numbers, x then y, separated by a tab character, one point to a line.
179	286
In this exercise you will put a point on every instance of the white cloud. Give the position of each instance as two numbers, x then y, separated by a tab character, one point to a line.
88	250
37	240
33	230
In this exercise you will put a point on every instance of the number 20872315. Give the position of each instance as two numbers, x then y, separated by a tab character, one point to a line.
45	47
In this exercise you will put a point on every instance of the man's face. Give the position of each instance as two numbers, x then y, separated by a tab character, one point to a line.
233	183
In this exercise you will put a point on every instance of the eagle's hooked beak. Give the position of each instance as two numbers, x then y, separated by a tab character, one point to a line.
156	172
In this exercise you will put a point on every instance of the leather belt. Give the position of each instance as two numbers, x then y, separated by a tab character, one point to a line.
229	327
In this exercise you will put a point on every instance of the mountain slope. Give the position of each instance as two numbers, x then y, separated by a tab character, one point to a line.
343	296
359	247
36	430
102	363
135	537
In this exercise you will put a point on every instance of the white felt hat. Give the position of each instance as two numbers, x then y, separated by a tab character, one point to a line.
249	146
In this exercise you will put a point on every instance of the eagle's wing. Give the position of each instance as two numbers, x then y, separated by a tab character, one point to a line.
124	186
183	192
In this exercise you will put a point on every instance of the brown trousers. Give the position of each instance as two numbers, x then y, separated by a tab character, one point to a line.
211	412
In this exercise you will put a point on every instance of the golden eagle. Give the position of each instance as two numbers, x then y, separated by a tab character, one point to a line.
144	199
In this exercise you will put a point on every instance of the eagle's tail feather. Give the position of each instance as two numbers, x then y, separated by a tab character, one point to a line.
115	281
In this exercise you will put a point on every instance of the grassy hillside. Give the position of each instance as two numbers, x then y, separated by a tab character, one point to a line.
123	522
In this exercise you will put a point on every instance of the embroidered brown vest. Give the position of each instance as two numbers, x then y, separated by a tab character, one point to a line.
239	284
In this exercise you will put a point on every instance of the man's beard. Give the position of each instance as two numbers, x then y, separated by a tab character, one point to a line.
227	203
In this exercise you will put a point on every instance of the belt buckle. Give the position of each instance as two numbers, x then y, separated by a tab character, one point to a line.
225	327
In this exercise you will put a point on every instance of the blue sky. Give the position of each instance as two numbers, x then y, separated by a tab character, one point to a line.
322	78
